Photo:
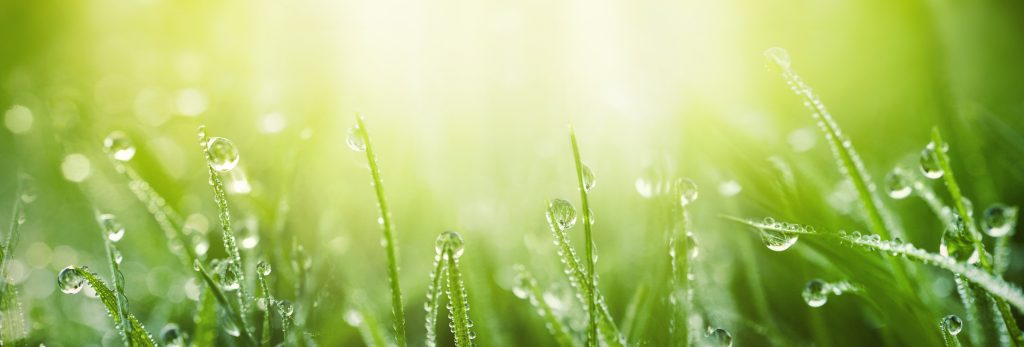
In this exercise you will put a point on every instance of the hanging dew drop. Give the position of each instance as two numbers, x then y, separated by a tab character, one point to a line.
117	256
285	308
263	268
952	324
171	336
223	154
451	241
816	293
588	178
113	228
229	280
71	280
999	220
590	214
778	241
719	337
930	163
119	146
898	184
562	214
687	191
355	139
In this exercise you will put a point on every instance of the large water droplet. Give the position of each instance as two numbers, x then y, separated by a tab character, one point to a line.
355	139
897	184
171	335
687	191
229	280
930	163
450	240
562	214
119	145
71	280
719	337
999	220
285	308
588	178
816	293
263	268
223	154
111	227
955	244
778	241
778	58
952	324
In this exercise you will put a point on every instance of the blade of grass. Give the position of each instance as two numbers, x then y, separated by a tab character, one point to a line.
245	337
138	335
458	300
589	241
391	243
532	292
434	293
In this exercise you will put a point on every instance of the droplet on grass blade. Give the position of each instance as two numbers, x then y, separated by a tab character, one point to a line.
451	241
71	280
588	178
562	214
952	324
930	163
111	227
777	240
687	191
223	154
263	268
816	293
999	220
897	184
355	139
719	337
119	146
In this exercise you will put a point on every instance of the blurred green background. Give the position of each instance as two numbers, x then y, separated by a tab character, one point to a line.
468	104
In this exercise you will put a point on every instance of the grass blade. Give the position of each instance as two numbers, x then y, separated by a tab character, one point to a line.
397	310
235	316
434	293
138	335
451	246
527	288
589	242
13	321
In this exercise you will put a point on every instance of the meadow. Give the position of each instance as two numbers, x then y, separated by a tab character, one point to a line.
735	173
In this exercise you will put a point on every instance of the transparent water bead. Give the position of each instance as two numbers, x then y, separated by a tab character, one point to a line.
589	181
562	214
955	244
71	280
778	58
719	337
449	240
229	280
119	146
952	324
930	163
999	220
687	191
355	139
171	335
897	184
816	293
111	227
263	268
223	154
28	193
778	241
285	308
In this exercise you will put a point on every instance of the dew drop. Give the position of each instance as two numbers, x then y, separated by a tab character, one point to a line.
929	162
816	293
285	308
71	280
691	247
117	256
450	240
355	139
778	58
231	328
111	227
171	335
999	220
778	241
687	191
588	178
229	280
223	154
197	264
898	184
590	215
119	145
719	337
562	214
263	268
952	324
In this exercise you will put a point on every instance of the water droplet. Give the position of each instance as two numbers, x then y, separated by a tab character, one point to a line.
223	154
769	221
562	214
687	191
285	308
691	247
171	335
231	328
816	293
588	178
117	256
119	145
229	280
999	220
955	244
263	268
450	240
71	280
778	241
197	264
898	184
113	228
778	58
355	139
930	163
719	337
952	324
590	214
28	190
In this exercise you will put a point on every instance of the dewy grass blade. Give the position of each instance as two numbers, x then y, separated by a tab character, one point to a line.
591	274
111	229
71	280
949	327
359	139
451	247
526	287
434	293
235	315
12	321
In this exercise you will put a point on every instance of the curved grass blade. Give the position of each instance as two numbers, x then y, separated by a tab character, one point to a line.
235	316
527	288
138	335
391	243
994	285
